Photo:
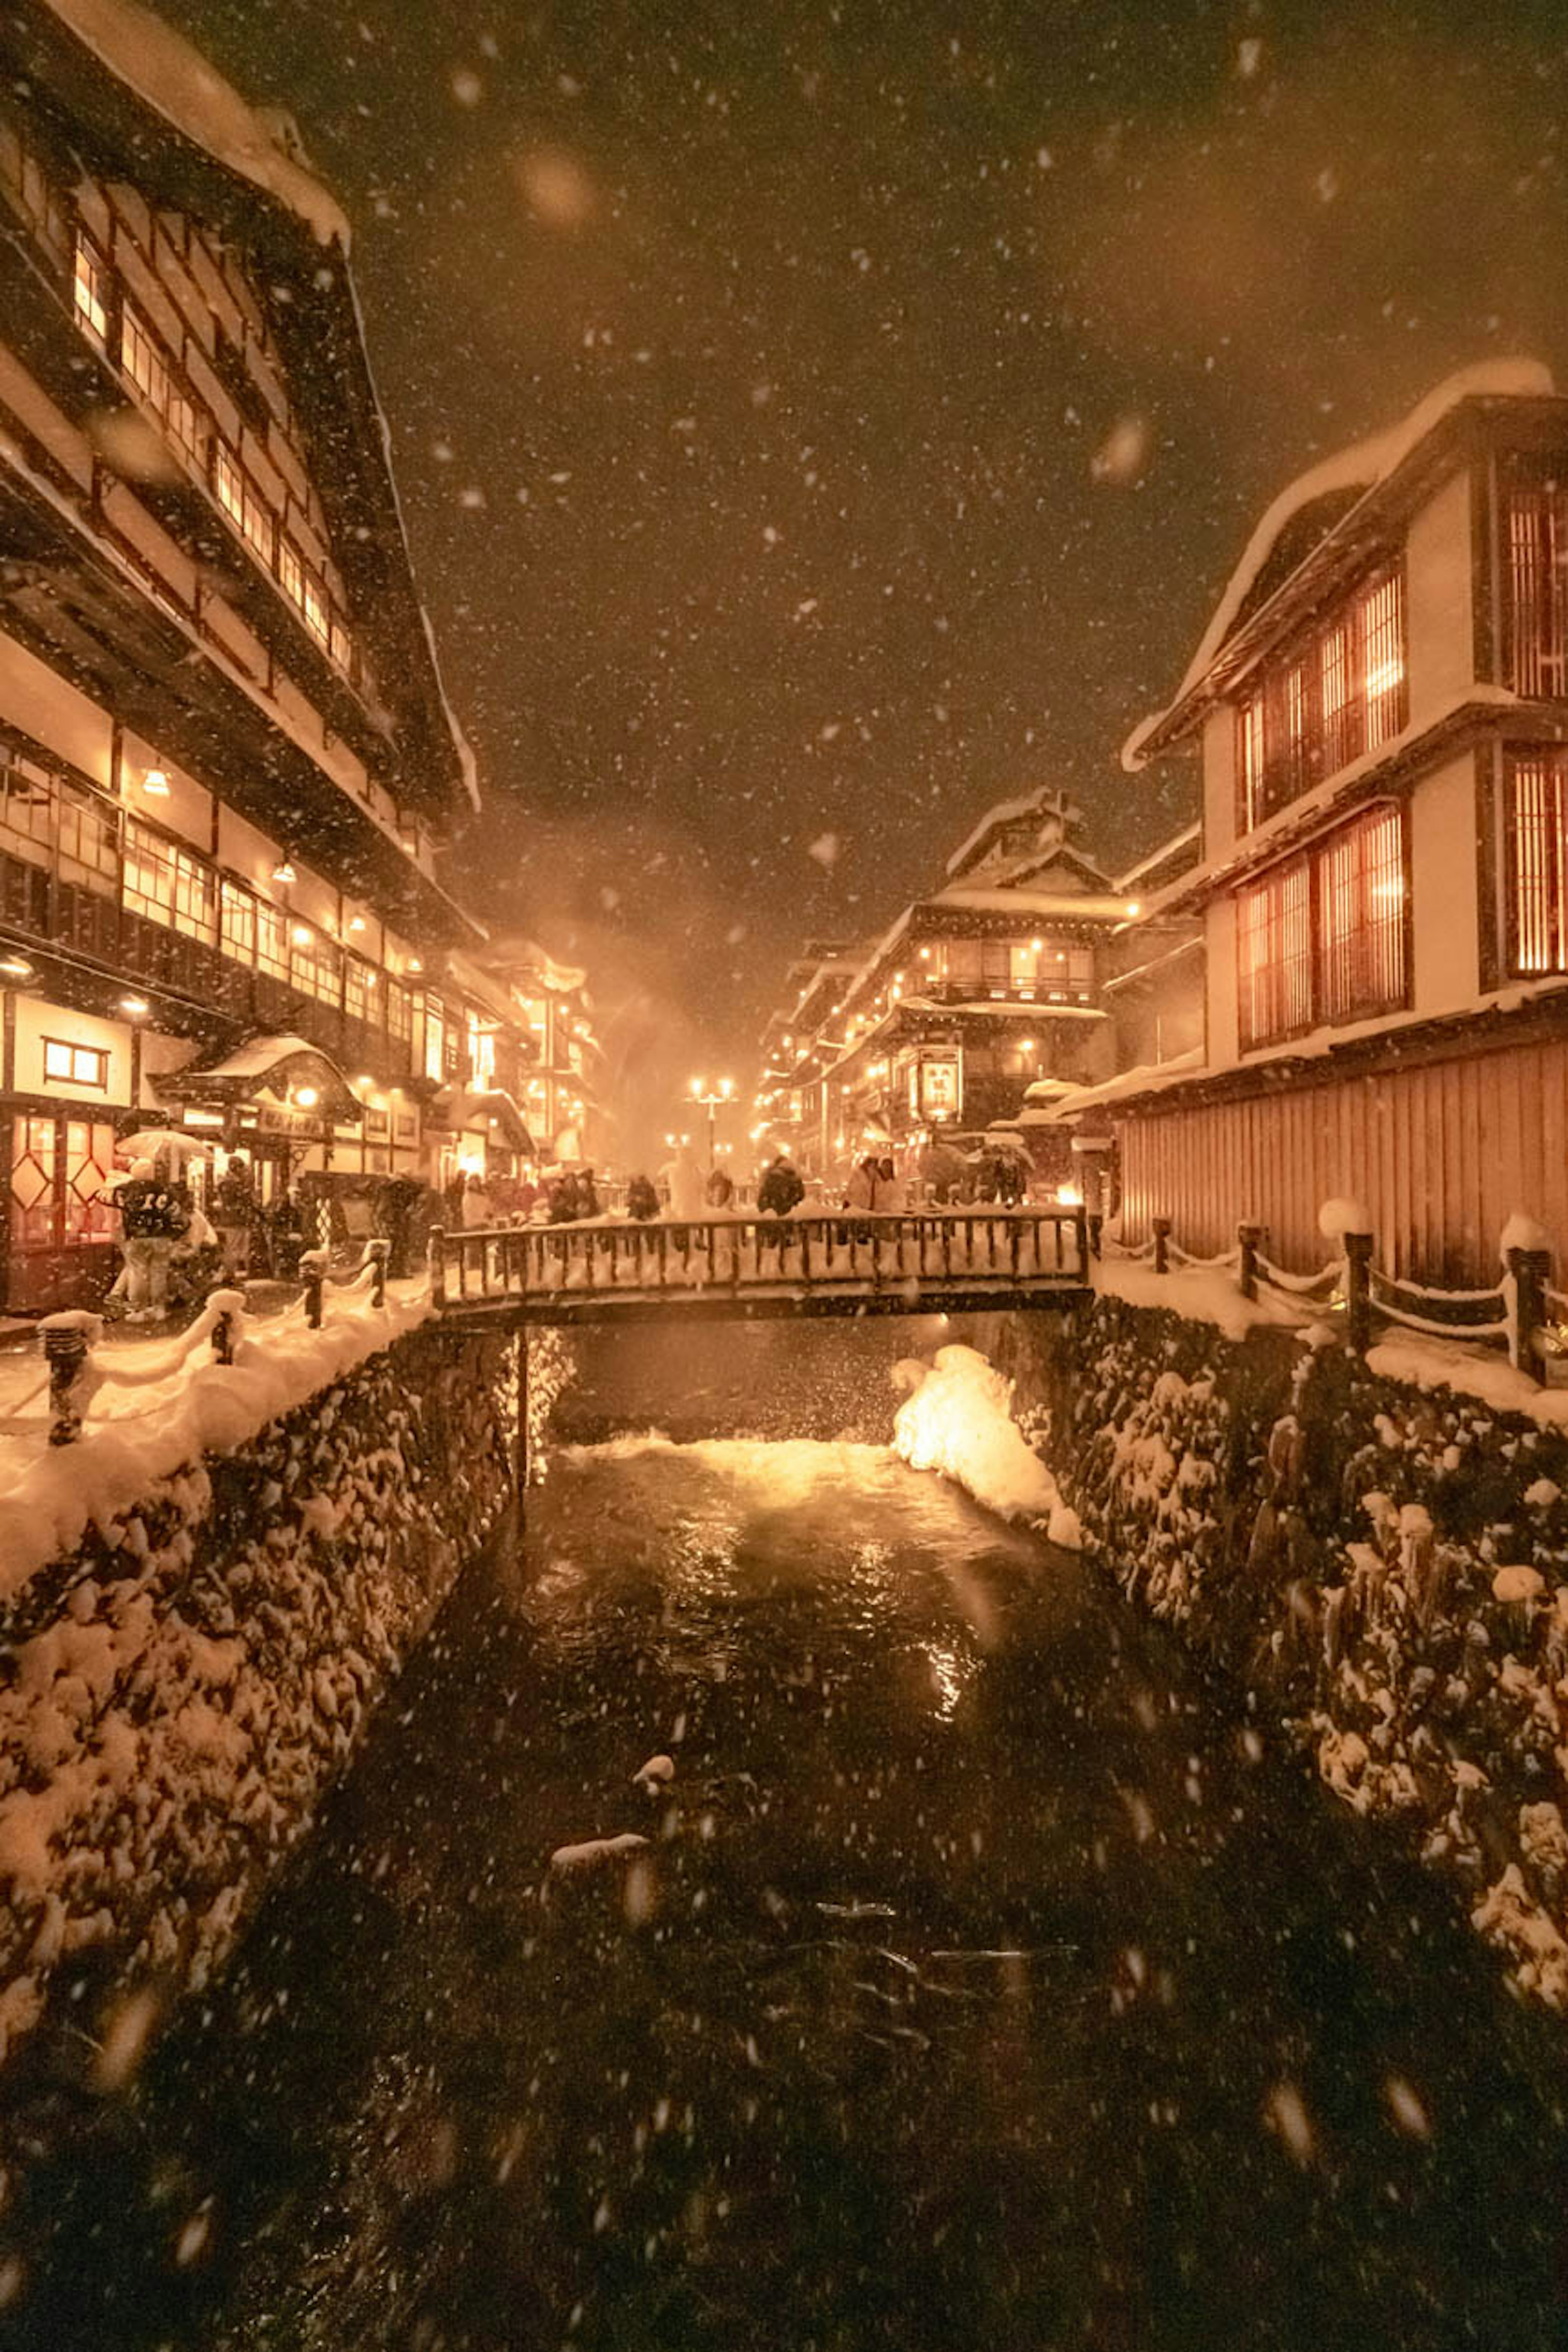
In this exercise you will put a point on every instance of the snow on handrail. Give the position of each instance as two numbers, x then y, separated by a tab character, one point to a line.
1206	1264
1500	1328
1298	1282
1491	1298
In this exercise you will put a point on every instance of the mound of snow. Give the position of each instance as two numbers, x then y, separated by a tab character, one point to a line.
956	1420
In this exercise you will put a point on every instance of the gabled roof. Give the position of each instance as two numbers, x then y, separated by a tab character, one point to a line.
175	80
145	105
267	1062
1325	504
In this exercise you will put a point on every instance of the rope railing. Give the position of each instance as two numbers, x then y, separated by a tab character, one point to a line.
1523	1303
79	1373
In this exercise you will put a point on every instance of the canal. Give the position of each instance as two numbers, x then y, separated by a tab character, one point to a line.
983	1982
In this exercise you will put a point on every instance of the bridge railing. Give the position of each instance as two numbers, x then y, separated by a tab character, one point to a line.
844	1252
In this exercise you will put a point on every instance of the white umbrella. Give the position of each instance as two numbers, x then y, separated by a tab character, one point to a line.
163	1143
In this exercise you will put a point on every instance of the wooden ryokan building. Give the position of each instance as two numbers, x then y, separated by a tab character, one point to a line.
1380	706
227	763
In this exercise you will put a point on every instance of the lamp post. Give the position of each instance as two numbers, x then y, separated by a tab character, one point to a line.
711	1097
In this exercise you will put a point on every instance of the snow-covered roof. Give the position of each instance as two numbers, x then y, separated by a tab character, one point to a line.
1190	837
1147	1077
1043	1009
523	960
1044	799
1075	906
1354	472
167	74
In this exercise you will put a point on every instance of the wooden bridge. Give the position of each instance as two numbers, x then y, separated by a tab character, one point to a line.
924	1262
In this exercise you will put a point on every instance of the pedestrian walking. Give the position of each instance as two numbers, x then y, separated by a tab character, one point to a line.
476	1208
154	1216
780	1189
642	1200
234	1217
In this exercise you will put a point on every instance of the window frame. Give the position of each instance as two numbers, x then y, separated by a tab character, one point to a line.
1293	988
97	1056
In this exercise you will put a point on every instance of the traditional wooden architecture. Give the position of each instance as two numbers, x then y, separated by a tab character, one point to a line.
227	763
1379	704
992	982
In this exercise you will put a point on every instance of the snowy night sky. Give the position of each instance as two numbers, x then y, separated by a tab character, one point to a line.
824	420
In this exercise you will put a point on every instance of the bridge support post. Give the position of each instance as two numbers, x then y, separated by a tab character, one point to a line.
519	1435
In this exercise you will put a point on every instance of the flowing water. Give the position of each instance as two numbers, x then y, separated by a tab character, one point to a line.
983	1983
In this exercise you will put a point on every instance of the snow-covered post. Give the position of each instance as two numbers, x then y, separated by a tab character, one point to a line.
1526	1254
67	1344
378	1252
1250	1240
1087	1230
313	1266
229	1307
1358	1291
1161	1229
1348	1225
437	1262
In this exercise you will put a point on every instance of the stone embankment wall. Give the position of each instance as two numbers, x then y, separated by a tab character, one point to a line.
1386	1568
176	1694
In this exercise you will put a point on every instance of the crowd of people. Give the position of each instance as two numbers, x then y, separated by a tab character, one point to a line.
175	1249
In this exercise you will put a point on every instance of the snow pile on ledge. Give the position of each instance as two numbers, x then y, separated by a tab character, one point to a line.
176	81
956	1420
1359	467
50	1496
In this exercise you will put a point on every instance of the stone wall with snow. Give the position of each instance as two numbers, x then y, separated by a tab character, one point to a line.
1384	1566
177	1692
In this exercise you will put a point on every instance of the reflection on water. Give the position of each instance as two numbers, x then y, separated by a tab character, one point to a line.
976	1985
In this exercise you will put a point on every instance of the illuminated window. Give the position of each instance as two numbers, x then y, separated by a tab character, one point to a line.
255	520
27	806
1274	955
1381	629
227	480
1334	662
90	290
75	1065
88	840
316	965
1323	939
482	1052
1249	765
399	1012
434	1039
291	570
142	359
1311	716
271	941
1536	806
1361	918
1537	604
237	923
359	988
314	605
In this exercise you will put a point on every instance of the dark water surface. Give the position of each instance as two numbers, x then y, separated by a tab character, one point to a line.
982	1985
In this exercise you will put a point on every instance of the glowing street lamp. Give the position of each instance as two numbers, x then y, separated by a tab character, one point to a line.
723	1091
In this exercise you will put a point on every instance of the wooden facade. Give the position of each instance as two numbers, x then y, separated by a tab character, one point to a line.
1384	894
1442	1152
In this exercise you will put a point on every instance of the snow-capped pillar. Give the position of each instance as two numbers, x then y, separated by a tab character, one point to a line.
378	1252
1532	1271
67	1344
1358	1290
1250	1240
313	1266
1161	1229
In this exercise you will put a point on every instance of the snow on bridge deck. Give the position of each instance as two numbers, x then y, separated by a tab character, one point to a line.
916	1262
